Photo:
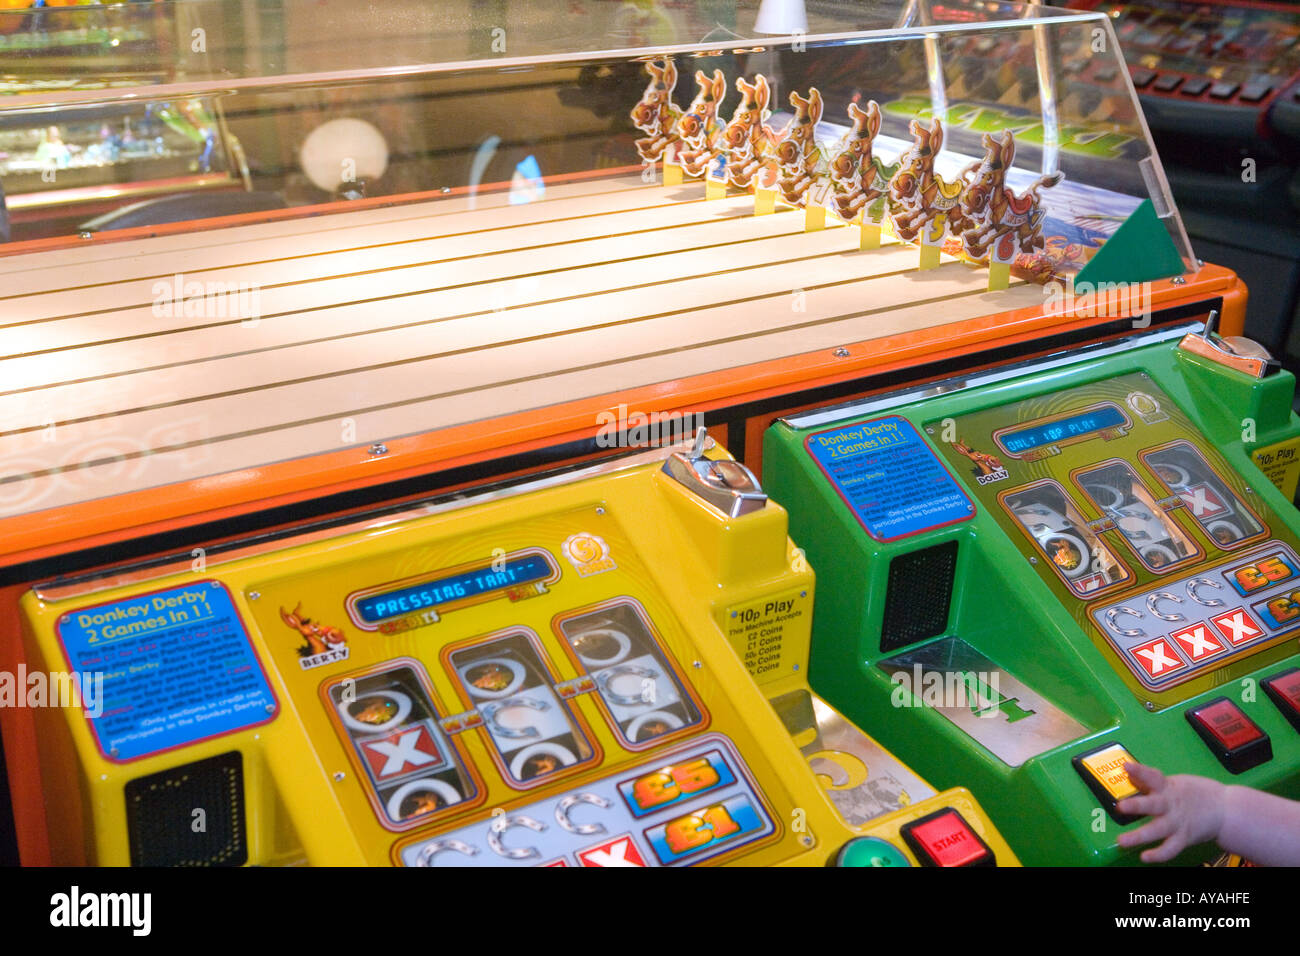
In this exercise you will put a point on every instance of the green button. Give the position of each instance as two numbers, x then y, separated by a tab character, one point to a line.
871	851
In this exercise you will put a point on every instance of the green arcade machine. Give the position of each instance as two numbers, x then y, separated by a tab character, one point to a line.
1032	573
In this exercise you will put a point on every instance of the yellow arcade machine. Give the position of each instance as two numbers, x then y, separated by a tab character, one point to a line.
575	671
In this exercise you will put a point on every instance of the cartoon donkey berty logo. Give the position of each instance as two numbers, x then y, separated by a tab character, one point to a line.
324	644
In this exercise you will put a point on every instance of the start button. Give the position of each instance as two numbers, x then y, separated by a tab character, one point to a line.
944	838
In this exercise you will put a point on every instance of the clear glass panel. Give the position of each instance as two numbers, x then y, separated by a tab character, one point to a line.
436	214
1062	536
459	95
636	683
391	721
1121	496
531	728
1185	472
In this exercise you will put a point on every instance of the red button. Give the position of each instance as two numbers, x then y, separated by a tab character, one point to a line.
1230	726
1284	690
1232	736
945	839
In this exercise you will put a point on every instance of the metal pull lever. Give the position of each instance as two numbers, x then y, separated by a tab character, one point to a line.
727	485
1234	351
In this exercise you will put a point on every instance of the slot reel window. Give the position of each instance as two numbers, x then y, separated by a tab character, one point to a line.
534	733
1054	524
391	721
637	684
1217	509
1152	533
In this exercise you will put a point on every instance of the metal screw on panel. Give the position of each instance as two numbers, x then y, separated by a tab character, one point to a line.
339	775
841	353
445	190
270	708
86	234
929	430
1200	263
803	593
378	448
806	840
113	752
600	511
697	664
1178	280
254	595
1149	705
1033	560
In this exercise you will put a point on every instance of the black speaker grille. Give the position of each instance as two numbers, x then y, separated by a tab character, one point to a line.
161	819
918	595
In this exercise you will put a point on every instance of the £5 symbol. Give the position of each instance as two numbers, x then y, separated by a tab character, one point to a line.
499	560
199	564
1098	820
649	694
198	820
1248	431
799	820
348	691
1098	40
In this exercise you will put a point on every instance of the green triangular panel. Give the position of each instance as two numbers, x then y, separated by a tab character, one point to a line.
1139	251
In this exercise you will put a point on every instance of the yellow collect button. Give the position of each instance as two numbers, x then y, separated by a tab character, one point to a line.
1103	771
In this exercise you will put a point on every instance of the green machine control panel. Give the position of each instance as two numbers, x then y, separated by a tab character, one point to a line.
1033	574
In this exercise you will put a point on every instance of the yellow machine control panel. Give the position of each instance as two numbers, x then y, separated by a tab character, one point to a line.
603	668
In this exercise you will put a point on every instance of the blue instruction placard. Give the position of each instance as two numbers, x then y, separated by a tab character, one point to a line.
177	667
889	477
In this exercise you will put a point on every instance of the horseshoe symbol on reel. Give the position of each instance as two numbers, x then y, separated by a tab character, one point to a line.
572	800
503	823
1112	619
1153	602
607	678
430	850
1196	583
490	711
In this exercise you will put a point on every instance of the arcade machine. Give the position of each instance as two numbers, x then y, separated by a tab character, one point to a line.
855	218
1030	575
552	674
1219	83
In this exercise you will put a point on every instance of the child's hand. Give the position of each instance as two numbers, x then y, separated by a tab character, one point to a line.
1184	811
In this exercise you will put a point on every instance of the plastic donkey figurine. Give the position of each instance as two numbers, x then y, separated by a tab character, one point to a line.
802	168
922	205
861	179
699	129
655	114
999	223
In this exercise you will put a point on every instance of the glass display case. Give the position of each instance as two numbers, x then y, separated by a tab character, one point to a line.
508	219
